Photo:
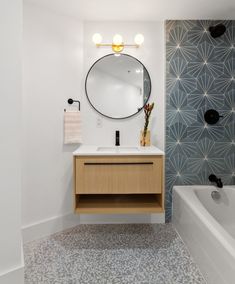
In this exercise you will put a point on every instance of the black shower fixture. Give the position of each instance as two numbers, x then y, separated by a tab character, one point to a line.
212	116
217	31
218	181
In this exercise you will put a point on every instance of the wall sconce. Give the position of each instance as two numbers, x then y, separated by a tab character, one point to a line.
118	44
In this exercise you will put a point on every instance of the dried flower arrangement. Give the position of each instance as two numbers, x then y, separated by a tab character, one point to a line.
147	111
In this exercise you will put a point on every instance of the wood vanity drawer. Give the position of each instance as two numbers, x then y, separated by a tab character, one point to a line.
118	175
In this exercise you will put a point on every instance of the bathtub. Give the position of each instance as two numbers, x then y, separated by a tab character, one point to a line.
207	227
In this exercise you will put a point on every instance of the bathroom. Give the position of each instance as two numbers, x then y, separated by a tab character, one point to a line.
186	235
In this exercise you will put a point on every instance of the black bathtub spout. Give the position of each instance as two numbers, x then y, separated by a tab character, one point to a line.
218	181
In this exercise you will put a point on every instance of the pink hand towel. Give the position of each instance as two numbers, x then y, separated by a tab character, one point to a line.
72	127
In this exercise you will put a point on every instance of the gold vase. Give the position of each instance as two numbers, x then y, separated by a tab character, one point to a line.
145	140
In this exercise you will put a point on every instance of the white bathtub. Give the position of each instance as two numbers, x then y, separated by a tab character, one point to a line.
208	229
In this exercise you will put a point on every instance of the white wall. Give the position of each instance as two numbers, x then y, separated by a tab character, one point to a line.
58	53
52	74
151	54
11	264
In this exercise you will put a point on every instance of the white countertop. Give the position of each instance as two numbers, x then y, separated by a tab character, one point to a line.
89	150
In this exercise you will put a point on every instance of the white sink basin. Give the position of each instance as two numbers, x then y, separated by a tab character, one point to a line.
118	149
95	150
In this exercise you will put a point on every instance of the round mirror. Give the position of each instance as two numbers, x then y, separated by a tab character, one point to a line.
118	86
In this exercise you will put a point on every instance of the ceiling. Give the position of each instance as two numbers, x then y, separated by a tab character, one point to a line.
141	10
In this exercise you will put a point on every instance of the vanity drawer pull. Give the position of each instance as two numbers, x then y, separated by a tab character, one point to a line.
118	164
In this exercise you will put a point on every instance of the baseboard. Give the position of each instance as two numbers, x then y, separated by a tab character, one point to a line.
49	226
13	276
60	223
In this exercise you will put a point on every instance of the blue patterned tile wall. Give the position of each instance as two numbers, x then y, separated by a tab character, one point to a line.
200	75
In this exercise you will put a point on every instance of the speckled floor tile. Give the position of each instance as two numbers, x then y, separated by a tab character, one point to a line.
111	254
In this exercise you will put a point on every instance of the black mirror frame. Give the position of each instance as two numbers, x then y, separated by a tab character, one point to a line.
140	109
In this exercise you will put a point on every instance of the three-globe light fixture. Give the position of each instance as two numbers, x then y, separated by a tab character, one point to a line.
117	43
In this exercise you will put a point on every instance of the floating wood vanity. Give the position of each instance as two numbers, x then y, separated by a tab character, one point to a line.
118	180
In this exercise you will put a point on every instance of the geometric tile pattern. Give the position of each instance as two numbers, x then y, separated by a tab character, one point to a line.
111	254
200	75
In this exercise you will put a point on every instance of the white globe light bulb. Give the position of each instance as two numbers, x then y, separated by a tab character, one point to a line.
139	39
97	38
117	39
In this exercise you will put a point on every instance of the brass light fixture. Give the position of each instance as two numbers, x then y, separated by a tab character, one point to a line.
117	44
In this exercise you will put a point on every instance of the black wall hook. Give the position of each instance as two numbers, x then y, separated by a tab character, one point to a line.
212	116
71	101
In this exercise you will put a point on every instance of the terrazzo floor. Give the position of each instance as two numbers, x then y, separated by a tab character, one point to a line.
111	254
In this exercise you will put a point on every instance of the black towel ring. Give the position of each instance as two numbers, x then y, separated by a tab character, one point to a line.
71	101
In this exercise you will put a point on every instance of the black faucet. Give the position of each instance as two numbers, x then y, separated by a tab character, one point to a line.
218	181
117	138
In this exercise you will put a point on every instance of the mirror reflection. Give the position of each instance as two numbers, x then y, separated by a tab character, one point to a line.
118	86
